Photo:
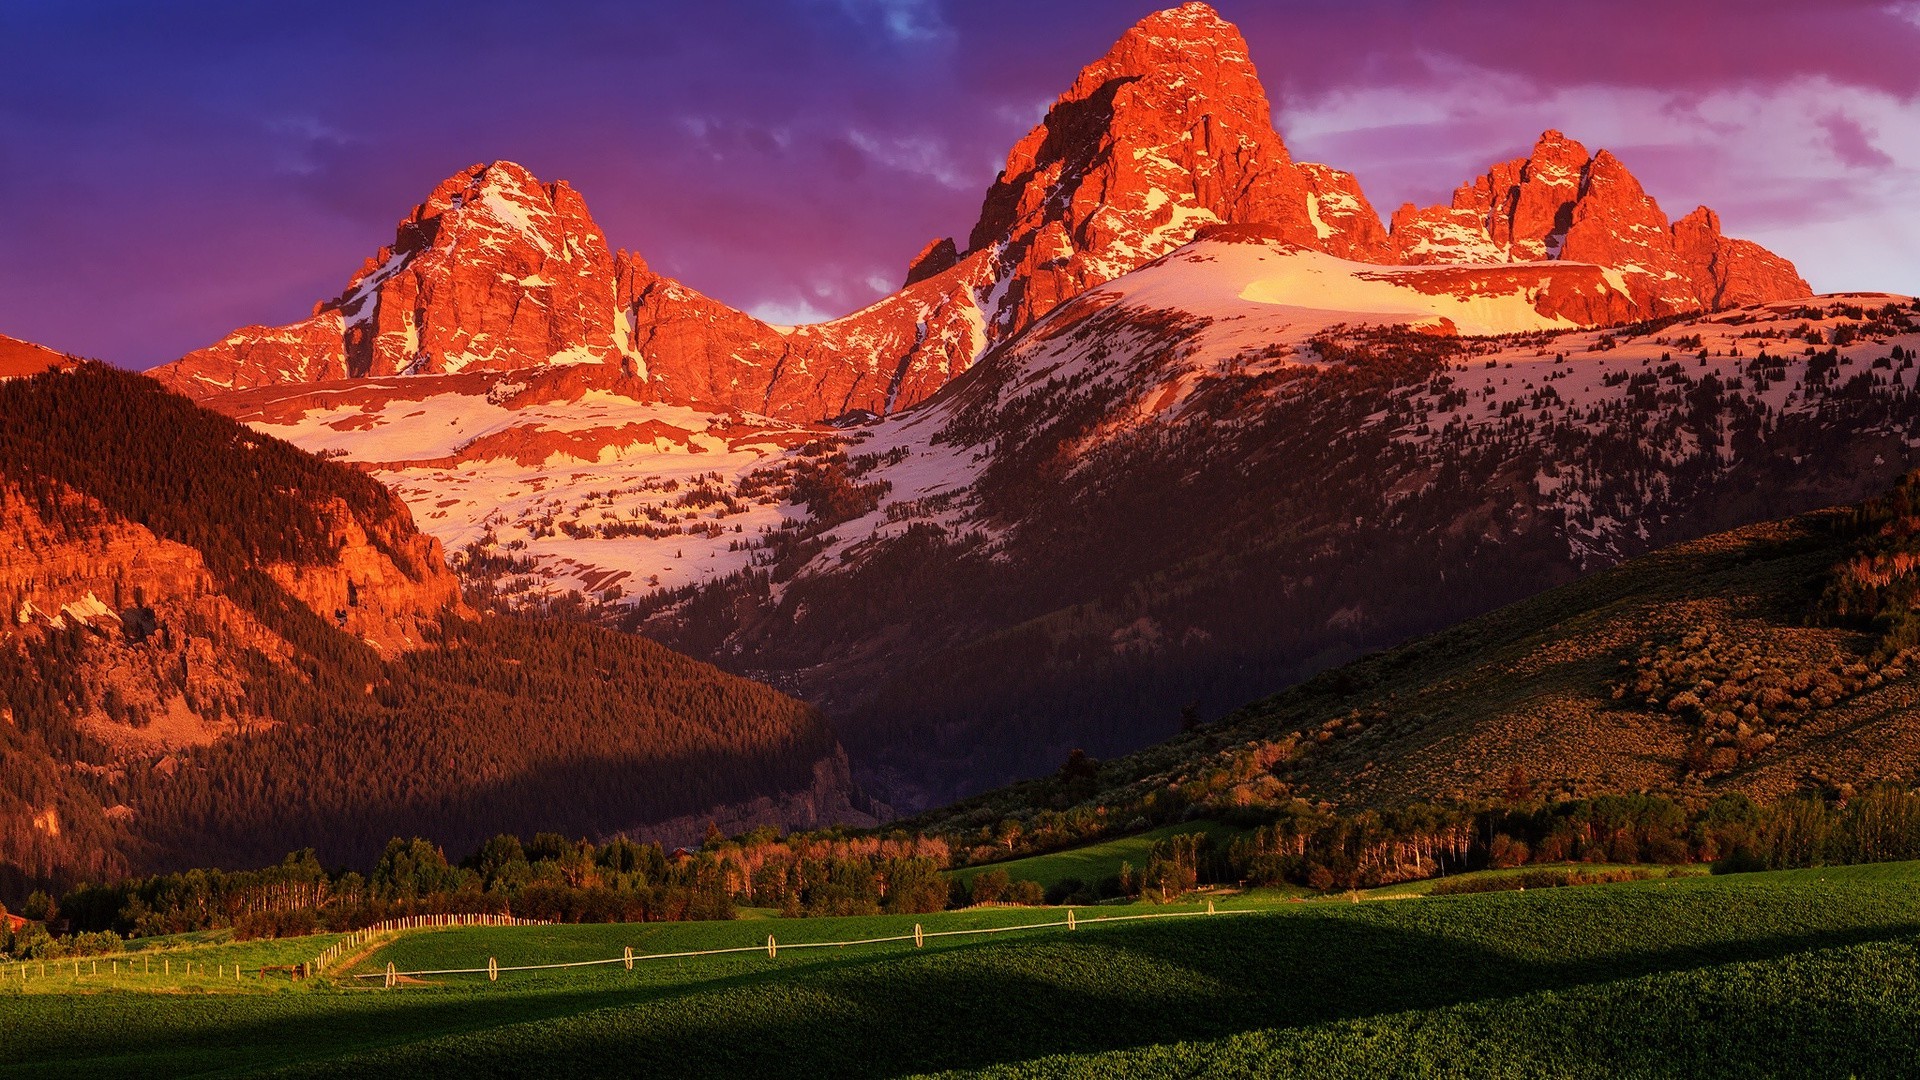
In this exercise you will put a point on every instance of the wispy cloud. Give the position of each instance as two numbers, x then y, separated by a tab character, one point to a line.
789	313
916	155
904	20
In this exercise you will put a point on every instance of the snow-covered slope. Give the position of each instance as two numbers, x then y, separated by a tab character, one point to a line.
1194	483
583	484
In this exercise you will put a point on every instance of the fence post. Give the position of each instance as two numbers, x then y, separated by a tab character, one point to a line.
629	958
919	936
772	948
493	969
1070	920
390	979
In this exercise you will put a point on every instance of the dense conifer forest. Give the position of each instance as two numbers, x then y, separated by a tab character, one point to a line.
188	474
495	721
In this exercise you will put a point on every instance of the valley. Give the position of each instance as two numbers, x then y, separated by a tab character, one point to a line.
1187	621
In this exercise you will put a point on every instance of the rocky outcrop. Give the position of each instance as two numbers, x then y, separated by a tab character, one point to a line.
697	351
1562	203
1344	222
387	592
495	271
1441	234
165	649
1169	130
1730	272
937	257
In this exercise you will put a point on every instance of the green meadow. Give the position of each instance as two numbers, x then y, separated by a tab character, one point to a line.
1796	973
1095	863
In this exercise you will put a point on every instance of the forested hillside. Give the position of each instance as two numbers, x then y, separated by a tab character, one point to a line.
1774	661
1166	513
219	648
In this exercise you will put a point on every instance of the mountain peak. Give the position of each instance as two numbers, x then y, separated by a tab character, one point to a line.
1168	131
1170	36
495	270
1562	202
1186	16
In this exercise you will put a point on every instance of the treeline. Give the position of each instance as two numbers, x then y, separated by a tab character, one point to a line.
497	722
188	474
1306	845
549	878
620	880
506	722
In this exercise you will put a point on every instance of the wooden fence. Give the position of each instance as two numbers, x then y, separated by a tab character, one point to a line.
772	947
412	922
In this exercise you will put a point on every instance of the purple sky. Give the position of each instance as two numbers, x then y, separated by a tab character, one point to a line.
171	170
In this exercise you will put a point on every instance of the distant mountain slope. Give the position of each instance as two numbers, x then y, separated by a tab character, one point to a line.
1181	489
1202	480
1181	421
19	358
1775	658
218	647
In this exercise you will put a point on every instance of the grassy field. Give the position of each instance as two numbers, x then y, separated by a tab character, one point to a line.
1803	973
181	963
1097	862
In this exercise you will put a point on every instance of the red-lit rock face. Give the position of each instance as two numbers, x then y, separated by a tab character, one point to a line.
1167	133
1344	222
1730	272
1560	203
19	358
495	271
1170	130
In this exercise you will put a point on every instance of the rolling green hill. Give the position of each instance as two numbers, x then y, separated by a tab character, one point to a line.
1796	973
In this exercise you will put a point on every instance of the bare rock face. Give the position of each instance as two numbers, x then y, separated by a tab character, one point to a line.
388	594
1170	130
1344	222
1616	224
694	350
312	350
166	644
1561	203
1730	272
18	358
937	257
1442	234
1528	203
495	271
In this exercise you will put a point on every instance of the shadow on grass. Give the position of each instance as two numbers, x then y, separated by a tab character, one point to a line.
957	1007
